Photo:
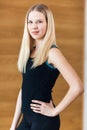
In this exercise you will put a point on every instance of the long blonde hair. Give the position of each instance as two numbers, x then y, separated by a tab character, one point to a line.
46	44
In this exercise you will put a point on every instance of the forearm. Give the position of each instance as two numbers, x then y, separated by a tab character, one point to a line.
17	113
68	99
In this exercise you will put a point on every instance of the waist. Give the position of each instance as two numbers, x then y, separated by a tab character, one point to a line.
26	110
32	116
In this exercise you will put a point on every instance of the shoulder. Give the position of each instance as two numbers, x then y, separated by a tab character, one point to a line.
54	53
56	57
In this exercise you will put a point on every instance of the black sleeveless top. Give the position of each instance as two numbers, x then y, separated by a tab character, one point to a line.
37	85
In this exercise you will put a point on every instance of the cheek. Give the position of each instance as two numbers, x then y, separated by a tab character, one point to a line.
29	30
44	29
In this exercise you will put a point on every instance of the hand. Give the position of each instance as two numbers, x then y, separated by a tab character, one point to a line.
43	108
12	129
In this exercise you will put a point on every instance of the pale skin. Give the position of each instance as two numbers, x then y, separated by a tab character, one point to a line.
74	82
37	28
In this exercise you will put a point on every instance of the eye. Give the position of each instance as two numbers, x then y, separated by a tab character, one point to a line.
30	22
39	21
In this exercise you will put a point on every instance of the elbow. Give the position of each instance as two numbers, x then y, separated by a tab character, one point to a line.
80	88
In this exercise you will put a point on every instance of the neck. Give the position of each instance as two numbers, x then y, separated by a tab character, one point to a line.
37	43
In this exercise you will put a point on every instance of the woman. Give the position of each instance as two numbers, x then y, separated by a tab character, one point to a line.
40	62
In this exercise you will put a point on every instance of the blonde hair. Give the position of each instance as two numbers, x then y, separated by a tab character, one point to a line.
48	40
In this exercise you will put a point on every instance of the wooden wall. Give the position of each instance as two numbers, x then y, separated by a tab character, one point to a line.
85	72
69	22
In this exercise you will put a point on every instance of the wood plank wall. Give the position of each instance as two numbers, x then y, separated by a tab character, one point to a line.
85	72
69	22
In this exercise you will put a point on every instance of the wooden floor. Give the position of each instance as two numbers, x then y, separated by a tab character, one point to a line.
69	21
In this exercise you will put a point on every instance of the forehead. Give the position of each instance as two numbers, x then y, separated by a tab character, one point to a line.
33	15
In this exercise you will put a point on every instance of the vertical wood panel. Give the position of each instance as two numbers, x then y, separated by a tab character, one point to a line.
85	73
69	22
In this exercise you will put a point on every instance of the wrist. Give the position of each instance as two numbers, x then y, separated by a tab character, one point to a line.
55	112
13	127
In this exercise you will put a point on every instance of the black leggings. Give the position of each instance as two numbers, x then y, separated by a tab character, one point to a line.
48	123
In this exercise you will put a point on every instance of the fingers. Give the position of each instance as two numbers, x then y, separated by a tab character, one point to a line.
37	101
37	111
39	105
42	107
36	105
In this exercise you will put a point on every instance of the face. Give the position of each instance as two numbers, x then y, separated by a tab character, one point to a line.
37	25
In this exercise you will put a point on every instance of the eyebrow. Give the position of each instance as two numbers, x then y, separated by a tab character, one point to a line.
35	20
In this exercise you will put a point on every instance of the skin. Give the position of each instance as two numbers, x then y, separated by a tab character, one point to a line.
74	82
37	24
58	60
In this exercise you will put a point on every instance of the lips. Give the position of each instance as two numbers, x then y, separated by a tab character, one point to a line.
35	32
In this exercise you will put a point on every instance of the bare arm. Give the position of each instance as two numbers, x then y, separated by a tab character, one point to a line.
73	80
17	113
69	74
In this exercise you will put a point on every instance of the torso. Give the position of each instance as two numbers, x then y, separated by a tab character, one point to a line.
37	84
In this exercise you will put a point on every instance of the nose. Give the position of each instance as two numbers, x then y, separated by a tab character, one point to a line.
34	26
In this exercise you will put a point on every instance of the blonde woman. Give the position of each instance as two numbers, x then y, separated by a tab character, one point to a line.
40	62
